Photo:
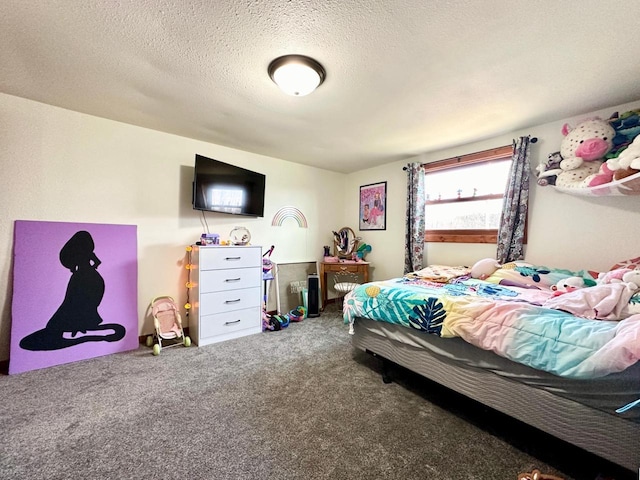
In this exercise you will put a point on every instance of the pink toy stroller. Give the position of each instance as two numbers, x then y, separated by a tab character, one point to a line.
167	323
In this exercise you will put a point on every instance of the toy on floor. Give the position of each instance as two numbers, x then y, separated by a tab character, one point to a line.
268	322
275	323
297	314
168	325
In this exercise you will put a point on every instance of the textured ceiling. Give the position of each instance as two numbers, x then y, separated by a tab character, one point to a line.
403	76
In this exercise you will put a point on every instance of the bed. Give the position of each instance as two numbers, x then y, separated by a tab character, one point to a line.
565	362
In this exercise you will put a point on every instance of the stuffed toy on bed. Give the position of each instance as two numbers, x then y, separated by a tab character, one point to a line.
484	268
612	276
632	279
566	285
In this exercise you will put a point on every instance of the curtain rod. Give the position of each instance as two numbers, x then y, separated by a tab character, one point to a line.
531	139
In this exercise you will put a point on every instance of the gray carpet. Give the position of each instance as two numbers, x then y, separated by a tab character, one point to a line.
295	404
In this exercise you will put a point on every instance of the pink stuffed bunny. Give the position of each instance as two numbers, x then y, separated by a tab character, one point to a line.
613	276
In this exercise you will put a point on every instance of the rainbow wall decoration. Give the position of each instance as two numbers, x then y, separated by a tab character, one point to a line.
289	212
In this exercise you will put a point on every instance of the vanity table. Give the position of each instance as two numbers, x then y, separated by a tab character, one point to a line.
345	247
361	268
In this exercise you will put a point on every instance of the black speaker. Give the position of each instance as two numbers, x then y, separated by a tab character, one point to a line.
313	292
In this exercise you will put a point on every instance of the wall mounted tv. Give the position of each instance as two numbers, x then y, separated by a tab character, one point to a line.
224	188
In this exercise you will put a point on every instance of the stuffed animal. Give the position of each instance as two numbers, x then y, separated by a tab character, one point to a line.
567	285
628	162
549	170
612	276
484	268
627	127
604	175
632	279
583	149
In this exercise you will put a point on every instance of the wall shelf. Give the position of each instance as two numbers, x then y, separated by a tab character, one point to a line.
624	187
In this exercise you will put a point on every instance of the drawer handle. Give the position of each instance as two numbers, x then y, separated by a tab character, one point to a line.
232	279
232	301
232	258
230	323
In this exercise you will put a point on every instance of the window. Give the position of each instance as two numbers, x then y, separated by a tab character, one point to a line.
465	195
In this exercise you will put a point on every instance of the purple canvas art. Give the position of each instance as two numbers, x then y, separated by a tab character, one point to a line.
75	291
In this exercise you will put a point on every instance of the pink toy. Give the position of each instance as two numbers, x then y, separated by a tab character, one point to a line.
168	325
589	140
583	149
613	276
604	175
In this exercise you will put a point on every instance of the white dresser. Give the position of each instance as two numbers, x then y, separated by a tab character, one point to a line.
227	293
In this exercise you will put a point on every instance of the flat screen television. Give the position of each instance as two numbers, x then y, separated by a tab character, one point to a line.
224	188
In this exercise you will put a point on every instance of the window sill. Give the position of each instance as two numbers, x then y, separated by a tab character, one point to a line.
462	236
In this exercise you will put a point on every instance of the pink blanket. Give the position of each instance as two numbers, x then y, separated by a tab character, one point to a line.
602	302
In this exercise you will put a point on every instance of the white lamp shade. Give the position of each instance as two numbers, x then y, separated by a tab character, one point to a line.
296	75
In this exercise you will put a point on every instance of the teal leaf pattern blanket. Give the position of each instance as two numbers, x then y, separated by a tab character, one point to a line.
510	321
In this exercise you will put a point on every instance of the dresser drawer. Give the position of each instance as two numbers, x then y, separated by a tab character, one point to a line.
231	279
229	300
341	267
216	258
224	323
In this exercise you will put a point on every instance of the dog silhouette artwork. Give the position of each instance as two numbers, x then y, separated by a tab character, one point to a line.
77	320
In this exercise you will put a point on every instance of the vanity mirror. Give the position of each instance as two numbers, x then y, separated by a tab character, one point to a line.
345	243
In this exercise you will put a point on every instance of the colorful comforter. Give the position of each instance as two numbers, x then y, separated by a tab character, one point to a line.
531	326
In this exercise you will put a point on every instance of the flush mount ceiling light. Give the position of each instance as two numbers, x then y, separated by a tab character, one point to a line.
296	75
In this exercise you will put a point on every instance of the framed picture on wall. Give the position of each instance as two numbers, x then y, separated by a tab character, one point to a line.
373	206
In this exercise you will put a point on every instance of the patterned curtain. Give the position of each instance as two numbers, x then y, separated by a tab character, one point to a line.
414	234
516	202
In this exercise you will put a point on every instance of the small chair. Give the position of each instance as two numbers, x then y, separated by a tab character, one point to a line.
343	282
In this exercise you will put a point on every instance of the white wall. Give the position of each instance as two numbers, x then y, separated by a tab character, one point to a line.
387	246
564	230
59	165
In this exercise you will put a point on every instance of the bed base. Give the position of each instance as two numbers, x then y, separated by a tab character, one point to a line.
610	437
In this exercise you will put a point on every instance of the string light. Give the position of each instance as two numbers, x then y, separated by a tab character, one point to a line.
189	284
